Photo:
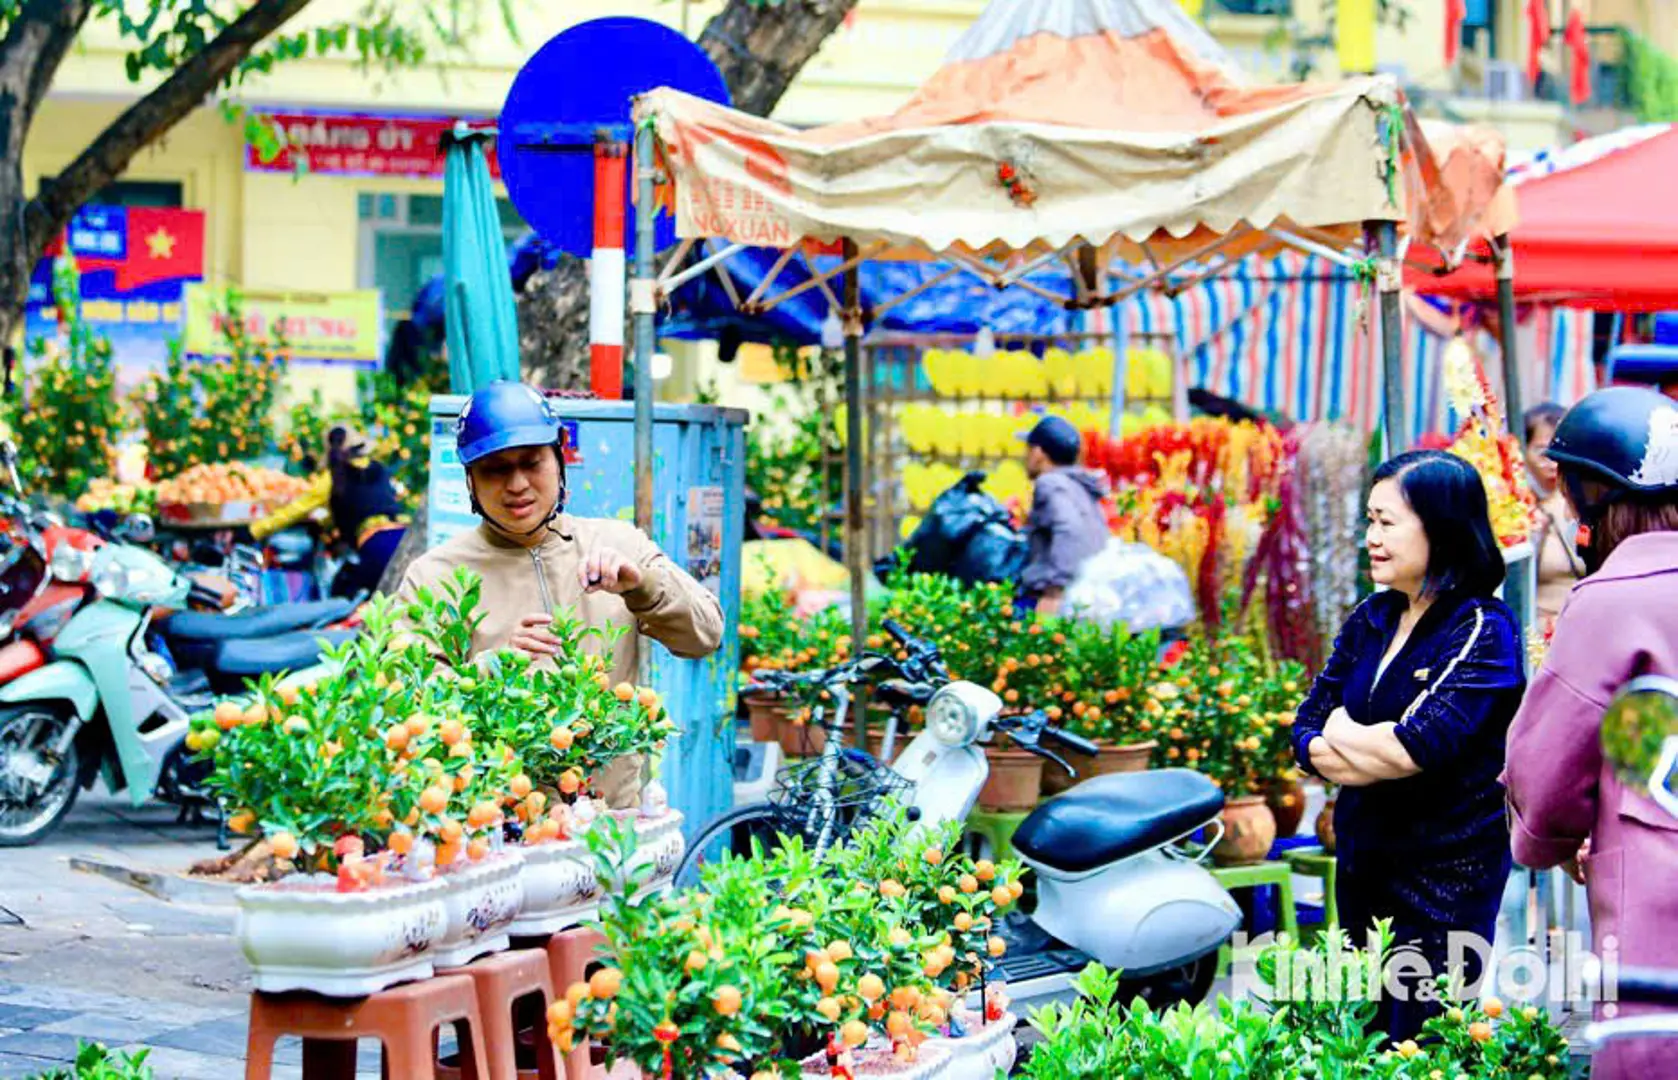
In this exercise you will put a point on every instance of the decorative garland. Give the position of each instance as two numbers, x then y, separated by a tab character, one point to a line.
1018	190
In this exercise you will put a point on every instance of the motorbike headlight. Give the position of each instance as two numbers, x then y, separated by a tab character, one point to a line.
111	580
71	564
951	720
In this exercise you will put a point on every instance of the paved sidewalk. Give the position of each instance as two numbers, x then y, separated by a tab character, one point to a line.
86	958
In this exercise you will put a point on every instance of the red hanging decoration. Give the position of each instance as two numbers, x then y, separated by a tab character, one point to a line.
1018	190
667	1033
1538	37
1579	58
1456	12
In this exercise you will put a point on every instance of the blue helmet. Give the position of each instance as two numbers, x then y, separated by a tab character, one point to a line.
503	415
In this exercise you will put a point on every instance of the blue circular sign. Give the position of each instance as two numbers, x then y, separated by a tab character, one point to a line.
582	80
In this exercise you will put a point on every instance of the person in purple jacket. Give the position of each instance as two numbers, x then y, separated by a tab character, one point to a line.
1067	525
1618	452
1408	716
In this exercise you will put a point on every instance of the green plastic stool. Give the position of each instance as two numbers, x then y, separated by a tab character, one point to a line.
1317	863
997	827
1279	874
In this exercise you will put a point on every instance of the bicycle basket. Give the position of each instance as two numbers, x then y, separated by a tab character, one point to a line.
806	806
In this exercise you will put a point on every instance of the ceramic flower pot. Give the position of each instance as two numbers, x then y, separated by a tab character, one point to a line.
482	901
1286	799
1015	782
982	1054
876	1059
1249	832
560	888
300	933
1325	826
764	712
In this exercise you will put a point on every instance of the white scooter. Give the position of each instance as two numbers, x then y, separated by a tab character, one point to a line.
1114	882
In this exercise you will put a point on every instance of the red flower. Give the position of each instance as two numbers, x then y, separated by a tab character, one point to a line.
1006	172
1174	653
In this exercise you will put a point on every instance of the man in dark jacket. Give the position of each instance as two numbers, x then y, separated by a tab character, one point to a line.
1067	524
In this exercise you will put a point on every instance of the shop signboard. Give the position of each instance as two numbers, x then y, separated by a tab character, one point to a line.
135	265
323	328
358	144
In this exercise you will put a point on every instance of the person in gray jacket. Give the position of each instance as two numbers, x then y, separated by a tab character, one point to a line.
1067	524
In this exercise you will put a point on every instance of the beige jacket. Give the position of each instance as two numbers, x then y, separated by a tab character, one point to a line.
669	606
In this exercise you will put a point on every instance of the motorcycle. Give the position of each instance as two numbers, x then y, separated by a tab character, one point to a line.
100	697
1640	739
1116	883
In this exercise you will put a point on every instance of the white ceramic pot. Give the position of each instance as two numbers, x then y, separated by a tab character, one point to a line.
875	1060
560	887
482	901
979	1056
302	936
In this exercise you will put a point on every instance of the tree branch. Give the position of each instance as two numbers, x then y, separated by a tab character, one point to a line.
35	45
152	116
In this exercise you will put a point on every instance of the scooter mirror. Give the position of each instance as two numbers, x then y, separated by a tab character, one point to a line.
1640	738
139	529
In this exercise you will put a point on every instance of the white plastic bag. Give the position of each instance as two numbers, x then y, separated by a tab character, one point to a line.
1131	584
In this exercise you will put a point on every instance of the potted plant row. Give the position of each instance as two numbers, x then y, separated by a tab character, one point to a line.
413	815
861	966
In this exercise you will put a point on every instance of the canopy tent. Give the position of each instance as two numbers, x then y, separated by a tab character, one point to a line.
1597	229
1101	133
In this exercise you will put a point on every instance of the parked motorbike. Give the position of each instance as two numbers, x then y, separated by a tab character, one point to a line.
100	697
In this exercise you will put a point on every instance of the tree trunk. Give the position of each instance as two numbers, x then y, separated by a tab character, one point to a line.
759	49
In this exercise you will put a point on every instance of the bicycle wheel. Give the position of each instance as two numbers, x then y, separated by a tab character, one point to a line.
732	833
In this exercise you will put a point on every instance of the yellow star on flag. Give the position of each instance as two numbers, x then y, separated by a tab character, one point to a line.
161	244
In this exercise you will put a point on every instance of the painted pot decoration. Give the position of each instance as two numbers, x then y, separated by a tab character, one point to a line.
482	901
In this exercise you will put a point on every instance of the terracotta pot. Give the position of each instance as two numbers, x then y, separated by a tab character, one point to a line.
1015	783
765	714
1111	758
800	740
1249	832
1286	799
1325	826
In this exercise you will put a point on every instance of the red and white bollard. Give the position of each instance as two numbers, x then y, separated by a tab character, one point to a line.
607	270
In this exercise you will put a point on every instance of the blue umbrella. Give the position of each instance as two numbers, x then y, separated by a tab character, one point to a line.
481	324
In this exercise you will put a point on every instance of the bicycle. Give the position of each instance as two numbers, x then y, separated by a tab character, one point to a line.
825	797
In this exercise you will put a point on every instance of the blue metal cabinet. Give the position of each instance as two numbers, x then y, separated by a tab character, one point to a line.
699	515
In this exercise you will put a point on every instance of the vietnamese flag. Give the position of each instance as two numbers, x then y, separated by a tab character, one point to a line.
1456	12
161	244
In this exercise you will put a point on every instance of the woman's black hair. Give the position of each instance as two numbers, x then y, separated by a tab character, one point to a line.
1448	495
1548	415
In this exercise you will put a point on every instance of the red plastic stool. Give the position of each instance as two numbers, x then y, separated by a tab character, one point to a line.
404	1020
569	955
504	981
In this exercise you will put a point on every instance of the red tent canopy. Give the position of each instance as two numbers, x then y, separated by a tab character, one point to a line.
1602	235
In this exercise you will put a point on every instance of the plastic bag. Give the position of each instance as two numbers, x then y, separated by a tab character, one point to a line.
969	536
1131	584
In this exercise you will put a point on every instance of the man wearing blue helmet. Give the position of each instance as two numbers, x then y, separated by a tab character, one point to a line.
534	559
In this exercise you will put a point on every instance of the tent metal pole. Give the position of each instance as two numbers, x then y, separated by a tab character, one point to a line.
1389	281
1512	399
855	557
644	307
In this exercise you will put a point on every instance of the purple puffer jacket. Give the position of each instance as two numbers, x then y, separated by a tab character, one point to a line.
1066	527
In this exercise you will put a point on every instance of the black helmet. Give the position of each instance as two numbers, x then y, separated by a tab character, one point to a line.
1624	438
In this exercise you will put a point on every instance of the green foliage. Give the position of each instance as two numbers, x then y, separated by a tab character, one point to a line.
1652	78
95	1062
787	468
215	410
67	417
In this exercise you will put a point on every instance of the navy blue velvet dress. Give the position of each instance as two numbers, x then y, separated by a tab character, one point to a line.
1431	851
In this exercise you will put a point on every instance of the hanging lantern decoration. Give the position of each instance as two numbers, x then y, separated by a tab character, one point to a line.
1018	190
1579	58
1456	13
1538	37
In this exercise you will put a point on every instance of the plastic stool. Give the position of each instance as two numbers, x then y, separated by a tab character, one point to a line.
569	955
1317	863
404	1020
998	828
503	980
1278	874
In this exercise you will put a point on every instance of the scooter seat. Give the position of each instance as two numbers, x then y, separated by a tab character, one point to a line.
259	622
248	658
1109	818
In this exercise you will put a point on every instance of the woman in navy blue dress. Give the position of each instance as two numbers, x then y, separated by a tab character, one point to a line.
1409	717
